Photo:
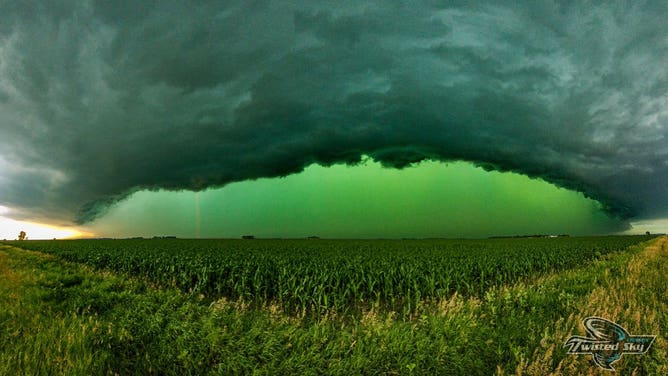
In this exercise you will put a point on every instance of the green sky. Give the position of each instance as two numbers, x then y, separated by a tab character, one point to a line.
428	200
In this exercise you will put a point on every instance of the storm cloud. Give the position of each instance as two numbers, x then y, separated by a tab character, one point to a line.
100	99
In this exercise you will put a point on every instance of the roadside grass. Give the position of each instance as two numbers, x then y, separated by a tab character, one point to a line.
63	318
633	294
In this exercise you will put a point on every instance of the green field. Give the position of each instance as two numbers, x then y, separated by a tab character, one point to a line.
173	306
318	276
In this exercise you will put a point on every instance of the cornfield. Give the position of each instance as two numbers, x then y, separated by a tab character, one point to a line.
318	276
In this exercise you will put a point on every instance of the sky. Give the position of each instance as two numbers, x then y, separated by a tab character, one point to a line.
430	199
126	112
10	230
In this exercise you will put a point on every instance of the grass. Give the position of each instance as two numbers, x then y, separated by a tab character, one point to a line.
66	318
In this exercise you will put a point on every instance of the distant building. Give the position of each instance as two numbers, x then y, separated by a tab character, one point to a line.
248	237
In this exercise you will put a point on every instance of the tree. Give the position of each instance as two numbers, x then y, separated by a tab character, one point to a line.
22	235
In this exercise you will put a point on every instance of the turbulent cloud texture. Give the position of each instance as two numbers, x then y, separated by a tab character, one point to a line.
99	99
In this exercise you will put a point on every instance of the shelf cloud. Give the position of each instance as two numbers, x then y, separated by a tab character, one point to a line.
100	99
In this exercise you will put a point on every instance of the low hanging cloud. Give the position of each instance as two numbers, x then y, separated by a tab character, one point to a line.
99	99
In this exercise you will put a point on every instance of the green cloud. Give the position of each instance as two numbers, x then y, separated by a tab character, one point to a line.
430	199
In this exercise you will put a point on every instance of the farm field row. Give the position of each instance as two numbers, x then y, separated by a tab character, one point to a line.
316	277
62	317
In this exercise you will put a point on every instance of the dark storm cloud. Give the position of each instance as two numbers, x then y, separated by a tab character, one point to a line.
99	99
